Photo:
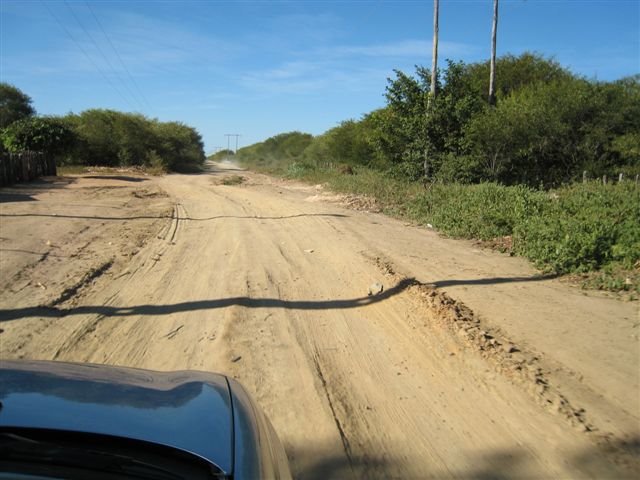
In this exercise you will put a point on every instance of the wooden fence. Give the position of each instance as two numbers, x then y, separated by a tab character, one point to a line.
25	166
620	178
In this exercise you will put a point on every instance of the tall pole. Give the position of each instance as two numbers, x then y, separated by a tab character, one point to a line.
434	77
434	62
229	135
492	72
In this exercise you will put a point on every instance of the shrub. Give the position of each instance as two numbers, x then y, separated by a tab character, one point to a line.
582	228
14	105
298	169
41	134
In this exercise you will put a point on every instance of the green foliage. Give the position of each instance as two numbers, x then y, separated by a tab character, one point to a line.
345	144
582	228
221	155
299	169
514	73
627	146
548	125
573	229
14	105
418	128
111	138
579	228
179	146
484	211
233	180
98	137
550	132
613	277
41	134
405	125
275	152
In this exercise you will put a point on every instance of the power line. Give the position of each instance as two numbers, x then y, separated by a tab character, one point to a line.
126	87
135	84
87	55
229	135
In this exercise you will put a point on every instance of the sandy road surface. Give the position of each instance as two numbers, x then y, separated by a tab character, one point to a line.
266	282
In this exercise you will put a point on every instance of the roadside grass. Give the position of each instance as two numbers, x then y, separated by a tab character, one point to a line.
71	170
590	231
612	278
233	180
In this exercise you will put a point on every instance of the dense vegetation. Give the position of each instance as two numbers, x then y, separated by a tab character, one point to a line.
503	171
14	105
591	230
221	155
99	137
276	152
548	126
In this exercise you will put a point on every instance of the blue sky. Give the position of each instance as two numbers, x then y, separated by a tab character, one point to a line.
260	68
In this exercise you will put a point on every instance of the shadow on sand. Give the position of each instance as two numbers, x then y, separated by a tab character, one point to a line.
614	460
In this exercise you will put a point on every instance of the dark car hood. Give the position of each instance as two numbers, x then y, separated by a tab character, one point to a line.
190	411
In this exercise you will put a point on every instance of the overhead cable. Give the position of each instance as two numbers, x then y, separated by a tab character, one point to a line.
79	22
126	100
135	84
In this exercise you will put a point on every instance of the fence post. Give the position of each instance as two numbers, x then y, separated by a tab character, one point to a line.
620	178
25	166
584	176
4	162
604	179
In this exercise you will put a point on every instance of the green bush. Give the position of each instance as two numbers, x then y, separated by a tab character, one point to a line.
41	134
583	228
578	228
111	138
14	105
276	153
483	211
298	169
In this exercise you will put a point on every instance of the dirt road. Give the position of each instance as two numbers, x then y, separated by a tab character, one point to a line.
467	365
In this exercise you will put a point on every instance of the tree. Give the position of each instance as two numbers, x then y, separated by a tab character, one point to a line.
516	72
14	105
347	143
221	155
277	151
111	138
406	122
40	134
492	73
179	146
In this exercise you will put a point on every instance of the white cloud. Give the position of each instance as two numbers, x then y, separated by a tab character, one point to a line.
146	45
404	48
350	67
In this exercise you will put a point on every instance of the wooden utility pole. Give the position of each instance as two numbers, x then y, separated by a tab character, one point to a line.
434	62
492	73
229	135
434	77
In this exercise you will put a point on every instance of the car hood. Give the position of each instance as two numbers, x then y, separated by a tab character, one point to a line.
189	410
